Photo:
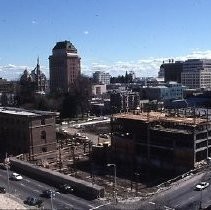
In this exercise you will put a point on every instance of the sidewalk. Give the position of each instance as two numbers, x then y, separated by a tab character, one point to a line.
10	202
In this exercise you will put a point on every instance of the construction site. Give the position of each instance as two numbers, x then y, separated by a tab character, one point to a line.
172	140
145	148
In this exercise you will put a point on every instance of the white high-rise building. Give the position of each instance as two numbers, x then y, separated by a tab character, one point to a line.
196	73
100	77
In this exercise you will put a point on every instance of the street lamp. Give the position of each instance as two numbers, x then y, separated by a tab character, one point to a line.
51	200
8	179
7	167
114	165
137	177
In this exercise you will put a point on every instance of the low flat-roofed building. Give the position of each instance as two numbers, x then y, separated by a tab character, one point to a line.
27	132
98	90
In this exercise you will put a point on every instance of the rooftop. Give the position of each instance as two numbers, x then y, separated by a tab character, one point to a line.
23	112
67	45
158	116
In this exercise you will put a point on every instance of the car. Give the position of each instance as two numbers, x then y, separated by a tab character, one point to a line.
33	201
105	136
65	188
16	177
3	166
85	137
2	190
64	123
202	185
48	193
82	139
77	126
78	134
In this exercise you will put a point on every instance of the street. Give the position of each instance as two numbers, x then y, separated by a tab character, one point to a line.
181	195
29	187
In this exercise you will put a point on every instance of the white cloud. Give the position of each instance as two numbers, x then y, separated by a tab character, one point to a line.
142	67
13	72
34	22
86	32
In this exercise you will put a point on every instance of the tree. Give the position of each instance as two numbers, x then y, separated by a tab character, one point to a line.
26	88
4	100
76	102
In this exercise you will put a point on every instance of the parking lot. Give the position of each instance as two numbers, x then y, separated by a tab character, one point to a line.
97	131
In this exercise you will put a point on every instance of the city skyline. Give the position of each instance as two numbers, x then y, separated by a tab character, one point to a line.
113	36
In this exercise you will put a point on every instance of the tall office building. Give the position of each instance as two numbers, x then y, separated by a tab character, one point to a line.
100	77
197	73
172	71
64	65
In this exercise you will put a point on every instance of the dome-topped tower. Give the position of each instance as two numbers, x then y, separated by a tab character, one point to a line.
26	77
39	78
36	80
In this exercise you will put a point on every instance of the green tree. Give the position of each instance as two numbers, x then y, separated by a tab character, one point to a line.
76	102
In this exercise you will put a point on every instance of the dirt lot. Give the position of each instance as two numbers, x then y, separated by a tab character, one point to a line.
74	159
83	168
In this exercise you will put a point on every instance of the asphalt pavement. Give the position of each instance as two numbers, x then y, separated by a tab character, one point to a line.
29	187
179	196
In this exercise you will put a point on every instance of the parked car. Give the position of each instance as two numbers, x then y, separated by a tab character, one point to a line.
3	166
48	193
105	136
33	201
2	190
202	185
78	134
77	126
16	177
82	139
65	188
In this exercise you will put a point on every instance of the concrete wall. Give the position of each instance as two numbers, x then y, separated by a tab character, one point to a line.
84	189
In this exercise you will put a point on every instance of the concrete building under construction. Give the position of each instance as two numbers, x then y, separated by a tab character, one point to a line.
172	141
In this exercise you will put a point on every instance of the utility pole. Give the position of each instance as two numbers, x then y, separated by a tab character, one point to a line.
200	203
8	180
60	158
51	200
137	176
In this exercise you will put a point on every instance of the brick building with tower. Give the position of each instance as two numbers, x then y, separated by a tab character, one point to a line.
65	67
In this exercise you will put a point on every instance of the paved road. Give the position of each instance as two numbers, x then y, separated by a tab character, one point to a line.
180	196
29	187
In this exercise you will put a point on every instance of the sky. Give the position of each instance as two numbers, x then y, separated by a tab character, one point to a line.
111	35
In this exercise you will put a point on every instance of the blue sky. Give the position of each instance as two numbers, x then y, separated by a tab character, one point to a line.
110	35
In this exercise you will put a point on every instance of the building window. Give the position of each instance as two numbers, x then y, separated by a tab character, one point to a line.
43	136
44	149
42	121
